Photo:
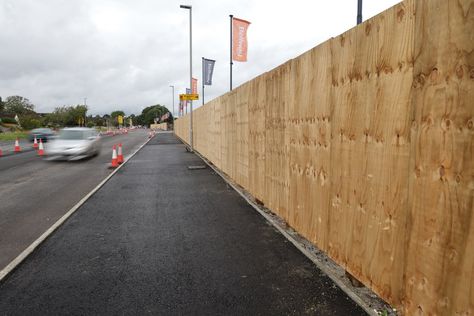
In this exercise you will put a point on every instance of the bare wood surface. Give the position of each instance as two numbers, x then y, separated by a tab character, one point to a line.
364	145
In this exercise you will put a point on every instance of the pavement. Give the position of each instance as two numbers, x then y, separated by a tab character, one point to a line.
159	238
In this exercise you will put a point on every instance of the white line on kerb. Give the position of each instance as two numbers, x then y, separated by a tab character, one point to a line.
25	253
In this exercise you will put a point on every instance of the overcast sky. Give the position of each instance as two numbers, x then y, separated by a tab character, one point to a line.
124	54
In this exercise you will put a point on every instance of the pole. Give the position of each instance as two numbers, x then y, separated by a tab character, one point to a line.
231	63
202	66
85	113
359	12
172	97
191	76
190	8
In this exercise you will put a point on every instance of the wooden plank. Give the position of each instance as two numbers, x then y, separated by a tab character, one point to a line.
242	136
440	260
365	146
309	143
257	123
276	164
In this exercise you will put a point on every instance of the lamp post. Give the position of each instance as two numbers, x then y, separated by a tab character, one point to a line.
359	12
85	104
172	96
188	7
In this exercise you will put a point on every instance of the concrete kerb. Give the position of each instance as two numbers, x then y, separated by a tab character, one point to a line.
29	250
375	308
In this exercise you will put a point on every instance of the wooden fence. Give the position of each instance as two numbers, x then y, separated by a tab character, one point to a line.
365	146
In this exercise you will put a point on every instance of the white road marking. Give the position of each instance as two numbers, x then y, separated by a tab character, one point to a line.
25	253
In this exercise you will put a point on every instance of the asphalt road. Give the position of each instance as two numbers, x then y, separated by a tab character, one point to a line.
35	193
161	239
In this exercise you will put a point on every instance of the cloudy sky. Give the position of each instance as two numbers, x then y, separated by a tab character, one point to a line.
125	54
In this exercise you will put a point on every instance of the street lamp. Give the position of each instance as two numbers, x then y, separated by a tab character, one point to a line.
188	7
172	96
359	12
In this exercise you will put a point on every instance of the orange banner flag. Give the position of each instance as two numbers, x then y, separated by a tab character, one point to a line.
195	86
239	39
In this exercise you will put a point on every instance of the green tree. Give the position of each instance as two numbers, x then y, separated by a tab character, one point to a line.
18	105
114	115
150	114
2	105
67	116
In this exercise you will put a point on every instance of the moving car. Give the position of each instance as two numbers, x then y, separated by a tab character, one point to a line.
74	144
44	134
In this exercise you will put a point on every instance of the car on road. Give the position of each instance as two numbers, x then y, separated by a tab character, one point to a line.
74	143
44	134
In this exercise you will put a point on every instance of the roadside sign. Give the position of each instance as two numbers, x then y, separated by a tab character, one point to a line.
120	119
189	97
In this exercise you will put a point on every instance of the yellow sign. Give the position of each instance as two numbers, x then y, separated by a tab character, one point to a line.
188	97
120	119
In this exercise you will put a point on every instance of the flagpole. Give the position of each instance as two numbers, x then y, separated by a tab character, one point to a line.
202	67
231	18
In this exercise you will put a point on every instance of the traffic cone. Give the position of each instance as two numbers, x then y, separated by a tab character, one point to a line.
114	158
17	146
40	149
119	154
1	153
35	143
149	135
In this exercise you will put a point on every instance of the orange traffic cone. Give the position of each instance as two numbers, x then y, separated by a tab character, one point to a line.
41	149
114	158
35	143
119	154
17	146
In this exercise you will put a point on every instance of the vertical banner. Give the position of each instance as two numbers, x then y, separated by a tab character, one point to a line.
208	70
239	39
195	86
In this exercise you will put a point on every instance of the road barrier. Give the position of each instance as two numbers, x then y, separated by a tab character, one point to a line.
114	163
17	146
364	145
119	154
41	148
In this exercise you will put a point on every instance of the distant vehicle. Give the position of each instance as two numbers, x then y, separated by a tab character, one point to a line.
44	134
74	144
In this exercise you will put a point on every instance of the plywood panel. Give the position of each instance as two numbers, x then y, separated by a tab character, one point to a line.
276	153
440	263
242	136
309	143
365	146
257	148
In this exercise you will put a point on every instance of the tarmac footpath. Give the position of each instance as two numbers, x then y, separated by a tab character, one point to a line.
161	239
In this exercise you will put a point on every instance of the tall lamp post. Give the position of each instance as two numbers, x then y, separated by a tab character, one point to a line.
359	12
85	104
188	7
172	96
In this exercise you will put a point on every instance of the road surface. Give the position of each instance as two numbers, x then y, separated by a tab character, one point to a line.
35	193
161	239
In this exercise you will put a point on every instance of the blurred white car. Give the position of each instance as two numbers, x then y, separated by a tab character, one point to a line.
74	143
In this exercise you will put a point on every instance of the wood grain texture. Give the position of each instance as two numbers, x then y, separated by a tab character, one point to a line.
309	143
440	263
364	145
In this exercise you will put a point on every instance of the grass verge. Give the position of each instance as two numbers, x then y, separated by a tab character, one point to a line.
13	135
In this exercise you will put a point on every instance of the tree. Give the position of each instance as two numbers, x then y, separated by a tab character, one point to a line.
2	105
114	115
18	105
67	116
150	113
